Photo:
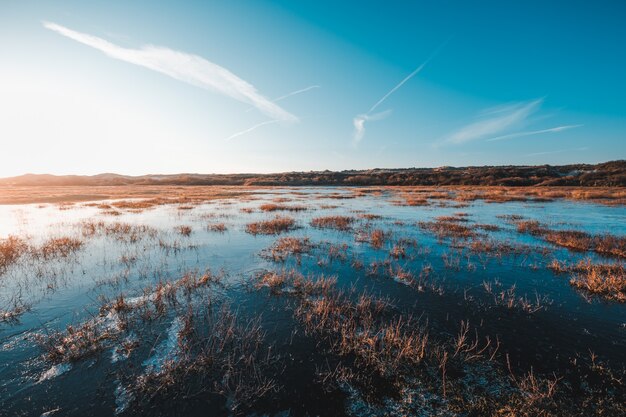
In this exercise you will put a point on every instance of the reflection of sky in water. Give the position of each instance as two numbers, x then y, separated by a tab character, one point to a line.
80	280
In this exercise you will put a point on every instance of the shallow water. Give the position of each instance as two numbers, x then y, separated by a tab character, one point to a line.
70	290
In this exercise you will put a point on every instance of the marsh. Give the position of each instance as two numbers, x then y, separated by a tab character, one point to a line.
349	301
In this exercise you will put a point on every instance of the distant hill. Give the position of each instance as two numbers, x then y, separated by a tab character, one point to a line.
608	174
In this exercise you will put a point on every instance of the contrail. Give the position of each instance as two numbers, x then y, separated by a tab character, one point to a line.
250	129
408	77
293	93
359	120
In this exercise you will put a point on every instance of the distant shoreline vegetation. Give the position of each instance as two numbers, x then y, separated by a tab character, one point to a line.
607	174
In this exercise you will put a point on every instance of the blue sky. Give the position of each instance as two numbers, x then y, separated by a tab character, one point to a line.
163	87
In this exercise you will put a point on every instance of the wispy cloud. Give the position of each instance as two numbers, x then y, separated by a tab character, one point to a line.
359	123
495	122
533	132
359	120
191	69
503	123
584	148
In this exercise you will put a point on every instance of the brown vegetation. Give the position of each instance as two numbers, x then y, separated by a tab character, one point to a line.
59	247
605	280
281	207
11	249
376	237
343	223
370	216
286	246
271	227
446	227
184	230
216	227
577	240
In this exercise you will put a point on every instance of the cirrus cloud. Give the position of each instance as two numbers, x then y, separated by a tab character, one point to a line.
502	123
188	68
495	122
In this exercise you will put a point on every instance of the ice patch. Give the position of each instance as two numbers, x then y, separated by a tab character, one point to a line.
167	350
55	371
400	280
112	321
123	398
416	400
140	300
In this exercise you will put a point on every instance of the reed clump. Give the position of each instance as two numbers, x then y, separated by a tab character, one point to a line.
136	204
604	279
277	225
59	247
216	227
376	238
218	353
577	240
121	231
343	223
337	251
116	316
287	246
370	216
11	249
354	327
270	207
184	230
509	299
448	228
291	282
500	248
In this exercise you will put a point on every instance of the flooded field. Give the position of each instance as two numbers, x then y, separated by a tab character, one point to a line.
315	301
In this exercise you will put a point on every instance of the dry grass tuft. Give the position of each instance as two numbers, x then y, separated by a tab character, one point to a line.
125	232
93	336
343	223
216	227
274	226
184	230
60	247
286	246
508	298
447	228
291	282
370	216
281	207
353	328
218	353
577	240
376	237
11	249
605	280
136	205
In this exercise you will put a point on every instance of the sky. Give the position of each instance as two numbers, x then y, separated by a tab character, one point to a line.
156	87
